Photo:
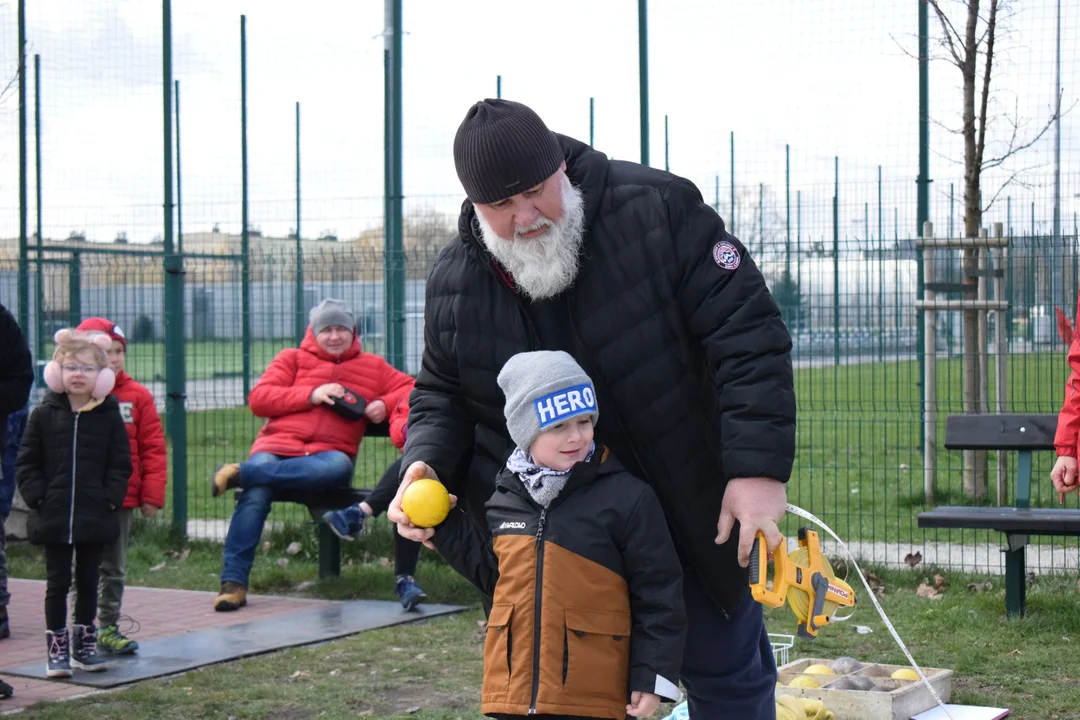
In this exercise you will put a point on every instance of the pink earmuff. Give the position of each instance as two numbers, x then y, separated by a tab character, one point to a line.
54	375
106	379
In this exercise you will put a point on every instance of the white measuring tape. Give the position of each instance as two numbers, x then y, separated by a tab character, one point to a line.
794	510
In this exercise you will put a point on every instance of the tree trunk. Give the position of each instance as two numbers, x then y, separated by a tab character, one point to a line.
970	257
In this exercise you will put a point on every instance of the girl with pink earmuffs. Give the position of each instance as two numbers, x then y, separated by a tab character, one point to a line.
72	470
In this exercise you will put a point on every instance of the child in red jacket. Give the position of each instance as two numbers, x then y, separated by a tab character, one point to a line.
146	487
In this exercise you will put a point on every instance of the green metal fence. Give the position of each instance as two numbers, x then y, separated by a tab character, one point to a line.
851	314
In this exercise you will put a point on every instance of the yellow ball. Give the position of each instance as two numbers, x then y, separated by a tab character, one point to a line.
905	674
803	681
426	502
819	669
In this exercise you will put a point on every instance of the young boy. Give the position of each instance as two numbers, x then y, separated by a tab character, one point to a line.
588	618
146	488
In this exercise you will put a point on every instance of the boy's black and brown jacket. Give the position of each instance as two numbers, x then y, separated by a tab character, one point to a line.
73	470
588	603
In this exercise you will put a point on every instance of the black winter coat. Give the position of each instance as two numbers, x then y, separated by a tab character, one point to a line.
16	378
674	324
591	584
73	470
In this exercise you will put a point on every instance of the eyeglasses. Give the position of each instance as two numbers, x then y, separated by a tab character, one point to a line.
84	369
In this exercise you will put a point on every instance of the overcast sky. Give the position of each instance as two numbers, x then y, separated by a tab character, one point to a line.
830	77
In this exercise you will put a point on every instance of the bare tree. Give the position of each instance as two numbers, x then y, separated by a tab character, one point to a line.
970	46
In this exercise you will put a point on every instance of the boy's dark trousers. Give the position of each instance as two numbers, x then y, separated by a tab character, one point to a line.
58	583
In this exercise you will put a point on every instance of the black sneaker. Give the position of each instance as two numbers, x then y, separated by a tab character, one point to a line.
409	592
6	690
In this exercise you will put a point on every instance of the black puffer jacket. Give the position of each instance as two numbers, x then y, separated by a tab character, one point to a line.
73	470
670	318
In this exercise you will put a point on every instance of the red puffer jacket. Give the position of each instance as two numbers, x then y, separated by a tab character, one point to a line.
295	427
399	421
149	463
1068	427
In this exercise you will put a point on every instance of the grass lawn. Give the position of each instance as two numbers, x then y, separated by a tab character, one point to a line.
432	670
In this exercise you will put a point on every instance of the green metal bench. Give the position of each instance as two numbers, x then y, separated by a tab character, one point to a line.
1024	434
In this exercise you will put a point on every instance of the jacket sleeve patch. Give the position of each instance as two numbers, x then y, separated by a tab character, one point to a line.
726	255
126	412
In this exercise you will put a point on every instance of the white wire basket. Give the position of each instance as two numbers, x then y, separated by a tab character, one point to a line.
780	645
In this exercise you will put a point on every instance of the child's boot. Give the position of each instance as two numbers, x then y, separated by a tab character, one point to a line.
59	654
84	652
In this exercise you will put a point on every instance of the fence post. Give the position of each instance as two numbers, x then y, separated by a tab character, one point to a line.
173	265
245	266
929	368
300	320
394	253
39	291
24	260
75	289
643	78
1002	352
836	261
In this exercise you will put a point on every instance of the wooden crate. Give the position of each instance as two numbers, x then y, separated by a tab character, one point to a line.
893	700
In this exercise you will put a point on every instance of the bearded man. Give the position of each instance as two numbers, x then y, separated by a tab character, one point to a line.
629	271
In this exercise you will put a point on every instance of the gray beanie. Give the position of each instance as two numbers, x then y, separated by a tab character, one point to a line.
543	389
331	312
503	148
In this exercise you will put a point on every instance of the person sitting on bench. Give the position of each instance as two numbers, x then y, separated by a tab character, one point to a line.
309	397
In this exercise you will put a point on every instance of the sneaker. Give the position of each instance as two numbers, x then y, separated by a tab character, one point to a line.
6	690
84	652
114	642
347	523
226	477
59	664
233	597
409	592
5	628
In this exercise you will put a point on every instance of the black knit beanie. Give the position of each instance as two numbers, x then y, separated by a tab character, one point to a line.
503	148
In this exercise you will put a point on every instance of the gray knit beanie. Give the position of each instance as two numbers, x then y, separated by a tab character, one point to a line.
503	148
543	389
331	312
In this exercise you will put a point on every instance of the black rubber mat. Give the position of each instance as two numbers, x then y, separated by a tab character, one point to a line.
169	655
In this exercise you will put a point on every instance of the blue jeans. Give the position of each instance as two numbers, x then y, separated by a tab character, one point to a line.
262	477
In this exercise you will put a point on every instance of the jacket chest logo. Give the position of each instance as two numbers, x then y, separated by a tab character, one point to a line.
508	525
127	412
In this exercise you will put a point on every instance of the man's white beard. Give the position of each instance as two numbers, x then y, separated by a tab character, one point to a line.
545	266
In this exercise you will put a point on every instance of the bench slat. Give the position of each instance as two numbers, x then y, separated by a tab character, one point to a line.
1000	432
1033	521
